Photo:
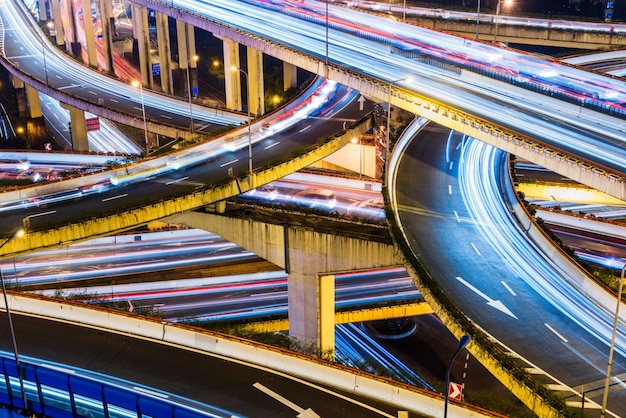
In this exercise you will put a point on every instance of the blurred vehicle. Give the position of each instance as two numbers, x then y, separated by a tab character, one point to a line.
370	208
265	192
316	198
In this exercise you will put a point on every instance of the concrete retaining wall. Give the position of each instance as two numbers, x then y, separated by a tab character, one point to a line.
310	369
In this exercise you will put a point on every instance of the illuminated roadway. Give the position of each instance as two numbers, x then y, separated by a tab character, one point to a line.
365	43
493	272
619	159
24	46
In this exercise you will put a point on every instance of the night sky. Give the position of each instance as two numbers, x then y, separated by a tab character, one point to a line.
579	10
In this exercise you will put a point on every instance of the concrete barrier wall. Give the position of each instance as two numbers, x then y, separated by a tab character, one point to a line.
302	367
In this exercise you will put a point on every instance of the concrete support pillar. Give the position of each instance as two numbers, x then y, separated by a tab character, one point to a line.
232	78
303	253
58	25
186	51
256	101
142	36
80	141
34	103
43	12
20	96
90	36
326	316
108	29
74	47
165	56
290	75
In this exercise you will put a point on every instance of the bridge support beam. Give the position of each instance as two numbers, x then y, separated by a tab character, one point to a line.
232	79
90	36
303	254
326	316
80	141
256	101
108	29
186	51
165	57
43	12
58	25
142	40
290	76
34	103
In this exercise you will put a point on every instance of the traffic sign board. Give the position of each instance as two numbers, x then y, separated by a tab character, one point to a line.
455	391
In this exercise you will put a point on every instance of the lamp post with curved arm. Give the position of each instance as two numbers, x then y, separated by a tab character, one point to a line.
235	68
387	136
498	7
17	233
607	382
193	59
462	343
143	112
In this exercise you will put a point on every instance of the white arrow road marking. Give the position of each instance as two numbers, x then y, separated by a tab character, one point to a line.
302	413
493	303
361	101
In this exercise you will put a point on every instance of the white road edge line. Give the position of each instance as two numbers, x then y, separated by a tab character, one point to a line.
555	332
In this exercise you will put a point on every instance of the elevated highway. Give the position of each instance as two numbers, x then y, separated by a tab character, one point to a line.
545	112
528	108
510	27
31	58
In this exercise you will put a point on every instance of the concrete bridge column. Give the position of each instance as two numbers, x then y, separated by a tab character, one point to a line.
290	76
326	316
304	254
232	79
80	141
165	56
20	96
108	29
34	103
142	38
256	101
43	12
186	52
58	26
90	36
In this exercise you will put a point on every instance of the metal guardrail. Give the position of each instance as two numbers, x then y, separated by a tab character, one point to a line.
60	392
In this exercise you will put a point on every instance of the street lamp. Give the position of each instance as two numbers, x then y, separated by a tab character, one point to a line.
465	339
17	233
387	139
143	112
45	66
235	68
607	382
194	59
327	35
477	17
506	3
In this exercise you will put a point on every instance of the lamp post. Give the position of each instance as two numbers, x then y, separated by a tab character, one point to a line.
404	10
607	382
465	339
235	68
327	35
17	233
143	112
387	138
477	18
506	3
194	59
45	66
